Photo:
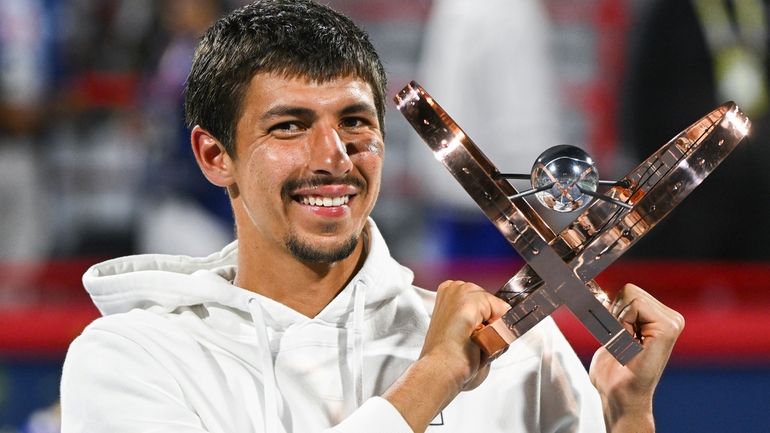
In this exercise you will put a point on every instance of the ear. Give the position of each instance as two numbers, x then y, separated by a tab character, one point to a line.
212	158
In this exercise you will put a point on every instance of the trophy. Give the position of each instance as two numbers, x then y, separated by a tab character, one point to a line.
561	266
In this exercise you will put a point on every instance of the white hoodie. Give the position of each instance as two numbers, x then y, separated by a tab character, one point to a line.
180	349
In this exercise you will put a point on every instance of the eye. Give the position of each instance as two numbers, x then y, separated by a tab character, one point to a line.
353	122
286	129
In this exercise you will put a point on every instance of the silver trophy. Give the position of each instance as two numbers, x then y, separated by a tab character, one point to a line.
561	267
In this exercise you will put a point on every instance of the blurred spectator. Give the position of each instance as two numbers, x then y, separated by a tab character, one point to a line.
94	148
490	68
180	200
24	81
46	420
688	57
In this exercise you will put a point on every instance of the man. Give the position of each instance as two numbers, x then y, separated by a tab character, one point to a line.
306	323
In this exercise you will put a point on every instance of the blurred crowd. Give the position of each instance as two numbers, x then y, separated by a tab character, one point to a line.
95	160
92	140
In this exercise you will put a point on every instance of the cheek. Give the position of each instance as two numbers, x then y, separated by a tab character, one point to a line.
269	167
368	146
376	152
370	166
370	142
375	147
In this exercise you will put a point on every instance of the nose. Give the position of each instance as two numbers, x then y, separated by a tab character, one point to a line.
328	154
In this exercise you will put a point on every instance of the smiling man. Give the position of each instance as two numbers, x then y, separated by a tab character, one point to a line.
303	175
306	323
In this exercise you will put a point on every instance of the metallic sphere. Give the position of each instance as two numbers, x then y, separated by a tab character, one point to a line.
567	169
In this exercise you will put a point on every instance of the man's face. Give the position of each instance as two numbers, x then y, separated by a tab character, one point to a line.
308	166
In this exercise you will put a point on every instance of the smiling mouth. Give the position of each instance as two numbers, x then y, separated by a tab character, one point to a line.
317	200
326	195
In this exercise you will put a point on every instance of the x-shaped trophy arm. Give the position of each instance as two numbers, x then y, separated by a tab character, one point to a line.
561	267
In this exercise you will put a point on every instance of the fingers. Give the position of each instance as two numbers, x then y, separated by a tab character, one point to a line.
459	310
472	301
658	327
645	316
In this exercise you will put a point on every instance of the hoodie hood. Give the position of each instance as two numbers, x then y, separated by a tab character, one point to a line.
172	281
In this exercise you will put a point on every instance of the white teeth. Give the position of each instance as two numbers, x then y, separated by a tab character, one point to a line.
325	201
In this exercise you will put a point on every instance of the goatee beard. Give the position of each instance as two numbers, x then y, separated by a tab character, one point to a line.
309	254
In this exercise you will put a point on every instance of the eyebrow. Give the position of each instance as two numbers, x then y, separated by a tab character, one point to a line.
360	107
287	110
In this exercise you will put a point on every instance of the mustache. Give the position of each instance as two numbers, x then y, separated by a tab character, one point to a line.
292	185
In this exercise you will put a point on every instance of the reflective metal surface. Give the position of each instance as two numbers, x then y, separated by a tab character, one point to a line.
569	173
560	267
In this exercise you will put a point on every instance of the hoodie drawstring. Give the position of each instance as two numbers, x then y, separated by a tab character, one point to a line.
272	420
359	299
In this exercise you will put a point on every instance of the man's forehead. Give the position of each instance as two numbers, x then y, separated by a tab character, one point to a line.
281	89
307	80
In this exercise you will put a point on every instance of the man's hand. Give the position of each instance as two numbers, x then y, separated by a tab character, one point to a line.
450	362
460	309
627	391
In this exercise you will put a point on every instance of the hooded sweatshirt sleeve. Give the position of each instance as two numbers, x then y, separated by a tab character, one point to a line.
375	415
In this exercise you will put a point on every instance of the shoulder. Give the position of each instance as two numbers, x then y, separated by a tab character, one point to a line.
142	346
427	298
113	380
409	311
108	341
136	325
116	342
109	352
150	335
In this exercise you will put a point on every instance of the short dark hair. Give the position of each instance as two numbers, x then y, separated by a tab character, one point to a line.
295	38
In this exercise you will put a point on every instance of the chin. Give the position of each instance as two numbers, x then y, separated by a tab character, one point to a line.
314	253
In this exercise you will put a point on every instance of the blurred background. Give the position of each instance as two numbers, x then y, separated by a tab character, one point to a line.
95	163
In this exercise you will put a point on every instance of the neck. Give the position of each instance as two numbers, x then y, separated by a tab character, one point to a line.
305	287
